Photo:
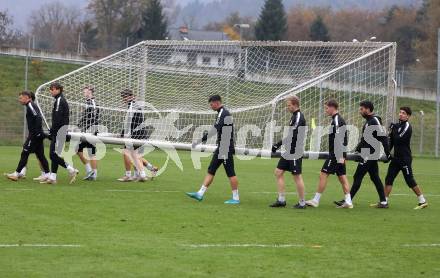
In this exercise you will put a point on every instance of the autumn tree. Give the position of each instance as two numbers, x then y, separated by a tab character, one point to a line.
426	48
8	35
56	26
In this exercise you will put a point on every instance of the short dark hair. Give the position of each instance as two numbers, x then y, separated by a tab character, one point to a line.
215	98
32	96
57	86
367	104
28	94
407	109
332	103
126	93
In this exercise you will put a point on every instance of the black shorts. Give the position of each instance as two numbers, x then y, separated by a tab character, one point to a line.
228	164
397	165
294	166
87	145
331	167
138	148
32	145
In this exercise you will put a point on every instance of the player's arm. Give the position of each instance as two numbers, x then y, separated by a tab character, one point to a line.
33	129
211	132
391	135
294	125
405	134
342	127
382	137
65	112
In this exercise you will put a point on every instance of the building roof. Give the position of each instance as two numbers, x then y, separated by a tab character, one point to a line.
183	33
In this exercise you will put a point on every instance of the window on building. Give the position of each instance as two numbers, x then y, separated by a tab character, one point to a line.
221	62
206	61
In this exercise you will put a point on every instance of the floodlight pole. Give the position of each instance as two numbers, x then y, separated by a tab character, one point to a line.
26	70
422	130
437	129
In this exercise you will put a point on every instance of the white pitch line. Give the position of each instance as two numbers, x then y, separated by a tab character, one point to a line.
422	245
41	245
141	191
406	194
18	189
248	245
267	192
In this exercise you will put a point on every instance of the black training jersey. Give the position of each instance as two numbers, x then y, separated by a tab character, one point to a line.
133	122
372	120
60	114
400	139
90	115
296	121
34	120
337	127
224	119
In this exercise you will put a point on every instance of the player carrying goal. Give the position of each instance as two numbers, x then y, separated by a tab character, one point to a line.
223	154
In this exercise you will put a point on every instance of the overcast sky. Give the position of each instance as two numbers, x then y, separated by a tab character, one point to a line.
21	9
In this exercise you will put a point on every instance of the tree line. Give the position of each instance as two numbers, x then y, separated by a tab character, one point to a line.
105	26
109	25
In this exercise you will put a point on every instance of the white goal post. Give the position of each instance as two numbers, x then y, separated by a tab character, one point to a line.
174	79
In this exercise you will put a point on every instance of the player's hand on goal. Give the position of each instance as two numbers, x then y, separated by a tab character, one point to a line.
276	146
205	136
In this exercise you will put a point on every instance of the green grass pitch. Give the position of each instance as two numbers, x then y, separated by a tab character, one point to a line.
153	230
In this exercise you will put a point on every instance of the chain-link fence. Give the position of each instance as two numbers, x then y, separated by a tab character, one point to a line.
11	121
417	89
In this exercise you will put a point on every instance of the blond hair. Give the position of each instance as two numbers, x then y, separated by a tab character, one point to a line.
294	100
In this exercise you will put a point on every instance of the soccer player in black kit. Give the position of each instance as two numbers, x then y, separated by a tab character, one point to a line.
335	164
134	129
372	129
34	140
60	118
294	145
400	140
88	123
224	129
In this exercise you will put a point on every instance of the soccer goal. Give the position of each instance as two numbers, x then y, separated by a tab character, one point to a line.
174	79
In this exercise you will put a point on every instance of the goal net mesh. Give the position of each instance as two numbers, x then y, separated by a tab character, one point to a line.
174	79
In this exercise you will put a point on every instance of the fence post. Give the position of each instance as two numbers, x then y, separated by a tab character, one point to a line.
26	70
422	129
437	125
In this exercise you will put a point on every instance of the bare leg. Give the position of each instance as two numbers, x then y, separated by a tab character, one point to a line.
94	163
136	161
82	158
345	185
127	161
279	176
234	182
322	182
208	180
417	190
388	189
299	186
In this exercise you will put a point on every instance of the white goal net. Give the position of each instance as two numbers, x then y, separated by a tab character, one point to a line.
174	80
